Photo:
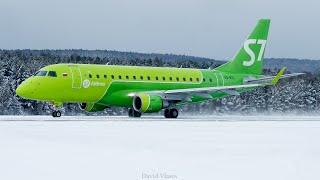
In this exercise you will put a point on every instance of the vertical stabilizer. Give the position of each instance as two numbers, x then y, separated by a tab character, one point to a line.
249	59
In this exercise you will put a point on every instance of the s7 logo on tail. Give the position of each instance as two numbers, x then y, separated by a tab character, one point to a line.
251	53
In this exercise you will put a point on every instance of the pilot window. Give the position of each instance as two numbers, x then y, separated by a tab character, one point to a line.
41	73
52	74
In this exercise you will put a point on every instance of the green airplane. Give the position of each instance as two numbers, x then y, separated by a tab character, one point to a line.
151	89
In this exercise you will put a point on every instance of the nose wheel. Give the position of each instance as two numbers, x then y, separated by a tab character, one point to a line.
56	113
54	107
171	113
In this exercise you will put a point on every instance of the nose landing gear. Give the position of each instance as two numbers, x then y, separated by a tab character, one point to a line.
56	113
54	107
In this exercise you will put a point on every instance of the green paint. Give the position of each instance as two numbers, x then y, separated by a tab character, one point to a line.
249	59
104	85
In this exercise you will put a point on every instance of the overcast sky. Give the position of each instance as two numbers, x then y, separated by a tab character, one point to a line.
207	28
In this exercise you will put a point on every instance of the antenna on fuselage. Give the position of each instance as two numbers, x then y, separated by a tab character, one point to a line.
108	63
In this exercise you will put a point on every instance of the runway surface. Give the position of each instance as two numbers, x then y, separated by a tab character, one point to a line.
161	118
211	147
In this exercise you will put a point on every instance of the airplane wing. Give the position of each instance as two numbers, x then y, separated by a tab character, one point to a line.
268	79
187	94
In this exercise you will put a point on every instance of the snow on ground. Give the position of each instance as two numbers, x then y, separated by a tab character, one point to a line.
216	147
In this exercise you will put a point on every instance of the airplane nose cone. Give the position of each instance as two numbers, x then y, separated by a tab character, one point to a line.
24	90
20	91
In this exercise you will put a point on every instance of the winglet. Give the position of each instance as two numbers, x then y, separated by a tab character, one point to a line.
278	76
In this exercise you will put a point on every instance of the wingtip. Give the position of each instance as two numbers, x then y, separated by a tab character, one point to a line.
278	76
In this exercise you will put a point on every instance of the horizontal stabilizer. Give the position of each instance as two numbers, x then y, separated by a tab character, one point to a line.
272	80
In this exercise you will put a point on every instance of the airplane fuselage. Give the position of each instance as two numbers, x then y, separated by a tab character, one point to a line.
111	85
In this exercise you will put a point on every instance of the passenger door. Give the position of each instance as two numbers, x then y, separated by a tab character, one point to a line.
75	76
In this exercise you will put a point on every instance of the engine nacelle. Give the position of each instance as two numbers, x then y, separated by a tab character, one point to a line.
92	107
148	103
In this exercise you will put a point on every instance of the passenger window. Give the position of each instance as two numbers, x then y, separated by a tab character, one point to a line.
177	79
127	77
157	78
134	77
191	79
204	80
90	76
163	78
141	77
52	74
105	76
198	79
41	73
170	78
120	77
184	79
148	77
112	76
98	76
210	80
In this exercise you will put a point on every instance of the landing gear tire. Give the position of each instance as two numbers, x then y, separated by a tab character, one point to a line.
167	113
133	113
56	114
171	113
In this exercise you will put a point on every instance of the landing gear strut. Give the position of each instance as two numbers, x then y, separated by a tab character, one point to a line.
171	113
54	107
56	113
133	113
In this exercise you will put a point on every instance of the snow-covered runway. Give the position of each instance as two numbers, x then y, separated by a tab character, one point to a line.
213	147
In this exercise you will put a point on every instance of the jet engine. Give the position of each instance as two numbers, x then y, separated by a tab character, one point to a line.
148	103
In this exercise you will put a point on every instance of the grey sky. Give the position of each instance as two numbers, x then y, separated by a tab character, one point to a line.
207	28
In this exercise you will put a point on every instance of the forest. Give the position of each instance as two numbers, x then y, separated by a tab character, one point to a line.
298	95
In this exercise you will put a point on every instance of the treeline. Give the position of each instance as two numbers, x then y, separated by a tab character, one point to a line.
300	95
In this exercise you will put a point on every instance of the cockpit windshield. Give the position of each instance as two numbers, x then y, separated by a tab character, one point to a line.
52	74
41	73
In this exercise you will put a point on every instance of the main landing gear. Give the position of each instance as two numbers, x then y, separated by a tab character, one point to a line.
133	113
171	113
56	113
168	113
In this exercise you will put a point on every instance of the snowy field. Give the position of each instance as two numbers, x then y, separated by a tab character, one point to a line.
152	148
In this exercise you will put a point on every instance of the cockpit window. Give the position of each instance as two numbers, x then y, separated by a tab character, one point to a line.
52	74
41	73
